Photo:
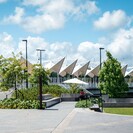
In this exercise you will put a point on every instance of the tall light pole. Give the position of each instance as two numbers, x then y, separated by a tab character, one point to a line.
100	69
26	62
40	79
40	54
100	57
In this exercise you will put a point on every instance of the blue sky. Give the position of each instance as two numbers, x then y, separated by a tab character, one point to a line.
72	28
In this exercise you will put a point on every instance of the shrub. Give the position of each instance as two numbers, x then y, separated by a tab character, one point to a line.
55	90
27	94
33	93
74	88
19	104
82	104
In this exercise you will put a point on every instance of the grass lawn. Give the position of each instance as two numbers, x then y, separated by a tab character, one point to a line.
122	111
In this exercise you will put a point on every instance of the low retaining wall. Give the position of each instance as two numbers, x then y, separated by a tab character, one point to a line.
117	102
69	97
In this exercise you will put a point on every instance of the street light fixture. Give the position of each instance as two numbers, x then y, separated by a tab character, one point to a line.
100	57
40	54
100	69
40	79
26	62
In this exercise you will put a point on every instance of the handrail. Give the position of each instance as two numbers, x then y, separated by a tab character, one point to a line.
13	91
9	94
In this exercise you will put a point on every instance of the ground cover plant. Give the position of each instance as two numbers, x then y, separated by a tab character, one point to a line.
83	104
122	111
12	103
28	98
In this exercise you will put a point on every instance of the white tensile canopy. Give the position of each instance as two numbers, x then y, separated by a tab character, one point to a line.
130	73
124	70
75	81
93	72
68	69
57	66
81	71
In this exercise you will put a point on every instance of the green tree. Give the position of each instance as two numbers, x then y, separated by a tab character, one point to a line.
111	79
36	72
11	71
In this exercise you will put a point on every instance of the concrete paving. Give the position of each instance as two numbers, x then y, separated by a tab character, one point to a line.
63	118
87	121
34	121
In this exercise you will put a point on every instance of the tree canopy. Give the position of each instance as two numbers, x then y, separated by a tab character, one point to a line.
11	71
111	79
36	72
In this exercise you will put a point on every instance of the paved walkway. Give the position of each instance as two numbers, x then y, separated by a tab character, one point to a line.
87	121
34	121
63	118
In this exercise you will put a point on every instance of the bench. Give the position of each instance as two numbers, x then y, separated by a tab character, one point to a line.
49	101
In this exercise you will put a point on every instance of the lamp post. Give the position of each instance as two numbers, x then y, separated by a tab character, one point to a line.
26	62
100	69
40	50
100	57
40	79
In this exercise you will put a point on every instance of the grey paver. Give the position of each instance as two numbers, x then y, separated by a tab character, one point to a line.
33	121
86	121
63	118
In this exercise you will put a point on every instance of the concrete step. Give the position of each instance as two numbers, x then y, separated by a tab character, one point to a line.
46	96
52	101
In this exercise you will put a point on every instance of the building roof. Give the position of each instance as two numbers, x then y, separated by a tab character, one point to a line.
130	73
93	72
82	70
57	66
23	64
124	70
72	69
69	69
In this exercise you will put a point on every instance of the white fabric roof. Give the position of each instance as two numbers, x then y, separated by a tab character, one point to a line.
72	69
57	66
124	70
130	73
94	71
89	73
69	69
82	70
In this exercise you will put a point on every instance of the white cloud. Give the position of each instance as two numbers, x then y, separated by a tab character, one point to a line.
49	14
121	46
16	18
112	20
7	45
41	23
53	51
89	7
89	51
58	50
2	1
34	2
57	6
33	43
